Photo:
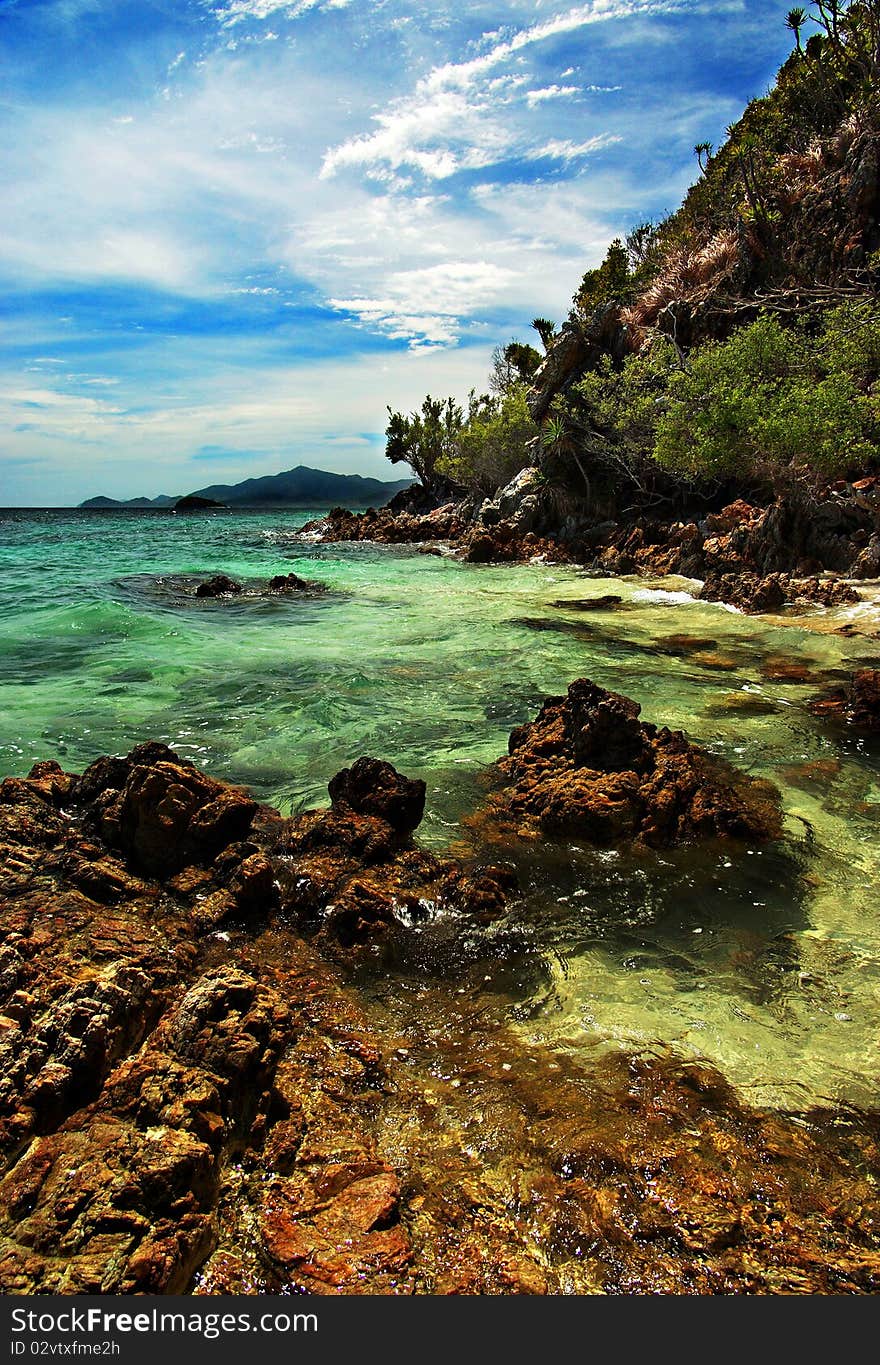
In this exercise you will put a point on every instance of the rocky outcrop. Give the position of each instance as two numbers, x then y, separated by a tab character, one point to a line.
519	503
183	1109
577	348
587	767
791	543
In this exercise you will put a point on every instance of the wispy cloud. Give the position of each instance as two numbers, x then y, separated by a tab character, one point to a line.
429	307
456	119
550	92
237	11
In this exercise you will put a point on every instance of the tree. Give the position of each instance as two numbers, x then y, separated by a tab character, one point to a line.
546	331
424	438
701	150
612	282
495	442
795	20
512	365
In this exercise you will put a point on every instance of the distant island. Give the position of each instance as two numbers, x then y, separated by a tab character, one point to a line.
300	487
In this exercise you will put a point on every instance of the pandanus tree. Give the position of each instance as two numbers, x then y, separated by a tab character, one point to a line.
795	20
703	153
546	330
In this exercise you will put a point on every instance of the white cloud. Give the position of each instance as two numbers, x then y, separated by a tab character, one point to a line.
235	11
455	117
563	149
427	306
550	92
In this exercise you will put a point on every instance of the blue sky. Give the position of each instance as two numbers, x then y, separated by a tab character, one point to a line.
233	230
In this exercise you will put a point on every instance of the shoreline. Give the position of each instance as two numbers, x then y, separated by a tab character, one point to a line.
742	555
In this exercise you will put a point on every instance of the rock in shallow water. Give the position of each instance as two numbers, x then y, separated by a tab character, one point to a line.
177	1103
219	586
589	768
858	704
757	595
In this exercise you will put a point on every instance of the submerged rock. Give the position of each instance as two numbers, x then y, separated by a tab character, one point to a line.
858	703
589	768
605	603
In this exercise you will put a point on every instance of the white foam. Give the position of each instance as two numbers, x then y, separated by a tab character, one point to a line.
662	595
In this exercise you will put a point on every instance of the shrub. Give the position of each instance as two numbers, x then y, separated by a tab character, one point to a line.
770	403
773	401
493	444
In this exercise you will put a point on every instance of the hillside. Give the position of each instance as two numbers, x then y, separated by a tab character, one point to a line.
731	350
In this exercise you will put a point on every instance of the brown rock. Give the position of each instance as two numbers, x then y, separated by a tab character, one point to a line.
371	787
161	811
588	767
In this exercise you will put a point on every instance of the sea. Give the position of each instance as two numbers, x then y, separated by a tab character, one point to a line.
764	962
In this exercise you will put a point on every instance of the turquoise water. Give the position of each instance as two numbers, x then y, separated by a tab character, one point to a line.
767	962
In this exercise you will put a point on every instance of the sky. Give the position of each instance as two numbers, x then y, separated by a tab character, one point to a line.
233	231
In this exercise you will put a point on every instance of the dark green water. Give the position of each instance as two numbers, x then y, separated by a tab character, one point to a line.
767	963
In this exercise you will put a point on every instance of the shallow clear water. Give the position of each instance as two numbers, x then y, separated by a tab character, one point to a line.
765	961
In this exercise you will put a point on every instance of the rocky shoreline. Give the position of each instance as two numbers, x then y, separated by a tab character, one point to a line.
758	557
200	1091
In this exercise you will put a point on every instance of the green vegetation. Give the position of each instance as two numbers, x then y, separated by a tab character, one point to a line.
426	439
612	282
771	403
481	450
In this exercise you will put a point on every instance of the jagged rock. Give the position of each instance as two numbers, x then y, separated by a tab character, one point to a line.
218	586
371	787
161	811
357	875
518	503
588	767
756	595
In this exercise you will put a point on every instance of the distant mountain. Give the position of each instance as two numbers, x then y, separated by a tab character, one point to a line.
308	487
301	487
163	500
